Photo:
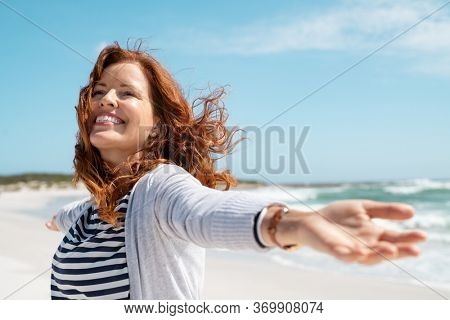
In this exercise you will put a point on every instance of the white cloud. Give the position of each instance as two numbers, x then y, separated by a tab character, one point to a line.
349	26
433	37
438	66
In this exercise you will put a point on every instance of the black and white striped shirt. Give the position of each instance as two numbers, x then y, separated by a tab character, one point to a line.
90	262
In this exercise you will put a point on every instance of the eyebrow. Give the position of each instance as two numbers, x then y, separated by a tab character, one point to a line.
122	85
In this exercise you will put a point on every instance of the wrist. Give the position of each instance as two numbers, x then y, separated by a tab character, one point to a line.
288	229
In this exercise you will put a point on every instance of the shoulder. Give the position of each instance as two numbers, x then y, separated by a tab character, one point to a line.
164	180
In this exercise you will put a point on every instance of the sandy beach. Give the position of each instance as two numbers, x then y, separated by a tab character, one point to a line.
232	276
27	247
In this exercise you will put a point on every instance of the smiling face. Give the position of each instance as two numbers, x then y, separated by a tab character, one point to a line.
122	112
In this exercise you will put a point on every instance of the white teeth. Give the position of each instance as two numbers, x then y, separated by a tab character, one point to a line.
108	119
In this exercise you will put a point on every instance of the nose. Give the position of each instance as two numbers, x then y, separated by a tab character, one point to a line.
109	99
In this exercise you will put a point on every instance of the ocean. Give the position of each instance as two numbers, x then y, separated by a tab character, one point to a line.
431	200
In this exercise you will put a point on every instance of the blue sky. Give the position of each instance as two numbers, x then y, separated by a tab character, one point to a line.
387	118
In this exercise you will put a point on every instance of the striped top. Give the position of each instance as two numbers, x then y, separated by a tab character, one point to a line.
90	262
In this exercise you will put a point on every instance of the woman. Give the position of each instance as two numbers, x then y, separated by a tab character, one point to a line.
148	163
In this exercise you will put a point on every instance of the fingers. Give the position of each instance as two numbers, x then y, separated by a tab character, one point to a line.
382	251
403	236
387	251
384	210
51	225
348	253
408	250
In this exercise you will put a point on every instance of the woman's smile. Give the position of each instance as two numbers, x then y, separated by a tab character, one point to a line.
108	119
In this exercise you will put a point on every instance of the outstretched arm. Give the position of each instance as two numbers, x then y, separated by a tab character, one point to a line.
65	216
211	218
185	209
345	230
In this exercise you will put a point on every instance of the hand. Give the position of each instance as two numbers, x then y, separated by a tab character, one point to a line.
345	230
51	224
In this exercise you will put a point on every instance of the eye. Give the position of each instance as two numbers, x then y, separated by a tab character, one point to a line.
128	94
96	92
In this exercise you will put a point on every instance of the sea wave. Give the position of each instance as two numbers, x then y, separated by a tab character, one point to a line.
417	186
439	237
429	221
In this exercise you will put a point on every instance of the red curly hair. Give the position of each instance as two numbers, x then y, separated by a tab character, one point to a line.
181	137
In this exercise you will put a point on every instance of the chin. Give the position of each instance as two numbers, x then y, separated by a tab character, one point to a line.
101	141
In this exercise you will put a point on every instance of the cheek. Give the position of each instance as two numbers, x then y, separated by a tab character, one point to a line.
93	108
140	121
145	127
147	116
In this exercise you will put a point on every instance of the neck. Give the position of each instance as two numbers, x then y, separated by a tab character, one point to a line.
117	157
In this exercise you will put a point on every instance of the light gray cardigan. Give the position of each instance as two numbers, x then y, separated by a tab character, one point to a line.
171	218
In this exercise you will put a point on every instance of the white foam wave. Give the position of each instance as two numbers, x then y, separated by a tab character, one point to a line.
416	186
428	221
439	237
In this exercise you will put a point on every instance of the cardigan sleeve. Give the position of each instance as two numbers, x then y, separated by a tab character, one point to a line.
69	213
187	210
